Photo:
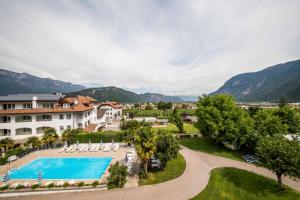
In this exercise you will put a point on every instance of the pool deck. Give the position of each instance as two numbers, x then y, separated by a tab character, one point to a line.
116	156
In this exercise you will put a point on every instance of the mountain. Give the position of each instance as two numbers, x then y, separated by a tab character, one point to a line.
13	83
270	84
117	94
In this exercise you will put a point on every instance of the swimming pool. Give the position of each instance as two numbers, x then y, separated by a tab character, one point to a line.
84	168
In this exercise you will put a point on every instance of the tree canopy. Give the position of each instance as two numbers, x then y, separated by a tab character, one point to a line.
279	155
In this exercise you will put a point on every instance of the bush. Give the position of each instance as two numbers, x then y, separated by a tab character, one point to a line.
66	184
34	186
20	187
117	176
80	184
50	185
106	136
95	183
5	187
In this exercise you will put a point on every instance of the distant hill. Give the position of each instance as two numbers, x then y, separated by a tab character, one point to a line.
269	84
117	94
13	83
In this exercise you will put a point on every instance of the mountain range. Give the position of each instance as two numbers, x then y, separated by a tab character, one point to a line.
270	84
124	96
14	83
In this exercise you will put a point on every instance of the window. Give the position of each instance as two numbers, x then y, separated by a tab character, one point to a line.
27	106
26	130
47	105
26	118
61	128
66	105
68	127
69	116
61	117
8	106
46	117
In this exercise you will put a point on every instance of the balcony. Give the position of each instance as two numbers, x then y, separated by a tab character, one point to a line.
5	119
5	132
23	131
24	118
43	118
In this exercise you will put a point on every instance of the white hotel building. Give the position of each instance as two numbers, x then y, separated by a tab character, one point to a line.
26	115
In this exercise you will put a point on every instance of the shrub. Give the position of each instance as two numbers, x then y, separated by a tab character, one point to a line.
34	186
50	185
66	184
20	187
117	176
95	183
142	174
5	187
80	184
106	136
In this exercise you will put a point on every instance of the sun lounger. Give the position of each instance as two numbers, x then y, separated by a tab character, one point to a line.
15	185
26	184
97	146
72	182
107	148
60	183
115	147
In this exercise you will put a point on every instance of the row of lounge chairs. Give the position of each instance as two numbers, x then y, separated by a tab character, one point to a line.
130	160
28	184
105	147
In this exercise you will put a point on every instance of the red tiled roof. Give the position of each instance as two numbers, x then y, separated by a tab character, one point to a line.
90	128
112	104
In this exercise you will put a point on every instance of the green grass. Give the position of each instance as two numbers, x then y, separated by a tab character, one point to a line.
173	170
189	128
207	145
236	184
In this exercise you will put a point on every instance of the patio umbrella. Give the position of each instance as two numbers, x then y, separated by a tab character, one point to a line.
40	177
112	141
66	144
30	146
89	141
6	177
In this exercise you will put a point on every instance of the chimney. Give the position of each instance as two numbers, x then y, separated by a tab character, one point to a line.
34	102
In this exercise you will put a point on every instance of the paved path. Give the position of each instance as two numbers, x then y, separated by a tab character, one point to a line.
193	181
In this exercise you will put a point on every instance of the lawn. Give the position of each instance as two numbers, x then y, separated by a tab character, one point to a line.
189	128
207	145
236	184
173	170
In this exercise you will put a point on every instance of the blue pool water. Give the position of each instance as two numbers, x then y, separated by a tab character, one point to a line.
63	168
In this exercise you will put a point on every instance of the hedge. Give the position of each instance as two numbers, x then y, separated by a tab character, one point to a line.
106	136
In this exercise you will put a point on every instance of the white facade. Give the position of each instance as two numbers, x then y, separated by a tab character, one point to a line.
20	120
112	112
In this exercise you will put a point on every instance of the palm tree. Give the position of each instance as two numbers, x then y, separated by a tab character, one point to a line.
145	145
70	135
50	136
34	141
7	143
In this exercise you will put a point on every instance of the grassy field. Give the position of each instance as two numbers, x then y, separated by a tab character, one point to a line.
173	169
236	184
136	112
189	128
207	145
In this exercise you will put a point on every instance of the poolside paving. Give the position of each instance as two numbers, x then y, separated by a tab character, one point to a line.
189	184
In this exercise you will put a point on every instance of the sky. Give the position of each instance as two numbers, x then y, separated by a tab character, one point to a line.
172	47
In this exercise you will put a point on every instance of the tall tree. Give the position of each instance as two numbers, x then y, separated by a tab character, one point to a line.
290	117
279	155
34	141
70	135
167	147
50	136
222	120
145	145
7	143
268	124
176	118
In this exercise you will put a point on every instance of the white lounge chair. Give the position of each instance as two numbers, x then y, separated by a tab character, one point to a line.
97	148
48	183
15	185
26	184
115	147
60	183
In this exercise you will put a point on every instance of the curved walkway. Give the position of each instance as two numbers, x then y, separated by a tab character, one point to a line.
189	184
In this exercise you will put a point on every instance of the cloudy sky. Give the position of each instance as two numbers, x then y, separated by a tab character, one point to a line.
173	47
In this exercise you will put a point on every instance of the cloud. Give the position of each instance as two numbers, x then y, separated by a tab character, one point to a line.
173	47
